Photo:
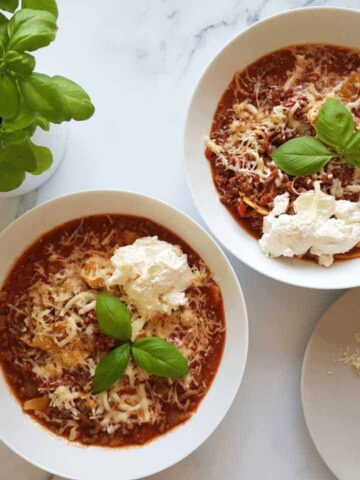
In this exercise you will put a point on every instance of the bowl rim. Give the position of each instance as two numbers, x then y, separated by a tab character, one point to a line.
244	324
290	280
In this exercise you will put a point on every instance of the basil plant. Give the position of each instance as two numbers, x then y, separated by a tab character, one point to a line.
30	99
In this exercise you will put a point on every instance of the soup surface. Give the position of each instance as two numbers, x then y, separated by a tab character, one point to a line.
50	341
273	100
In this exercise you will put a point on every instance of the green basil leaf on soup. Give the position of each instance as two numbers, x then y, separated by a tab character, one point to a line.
335	124
301	156
18	62
77	100
44	159
42	96
159	357
47	5
11	177
351	151
113	317
9	97
31	29
110	369
9	5
21	155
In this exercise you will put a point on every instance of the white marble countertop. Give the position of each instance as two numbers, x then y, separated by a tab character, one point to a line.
140	60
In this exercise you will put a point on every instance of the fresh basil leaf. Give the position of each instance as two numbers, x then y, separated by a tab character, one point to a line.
3	47
110	369
42	96
159	357
18	62
335	123
77	100
44	159
3	40
30	129
301	156
9	5
20	155
48	5
113	317
42	123
3	19
4	37
11	177
23	120
9	97
31	29
13	136
351	151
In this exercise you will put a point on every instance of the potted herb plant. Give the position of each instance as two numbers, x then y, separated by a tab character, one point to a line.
31	101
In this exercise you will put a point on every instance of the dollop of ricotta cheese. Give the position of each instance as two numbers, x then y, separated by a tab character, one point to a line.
153	273
320	225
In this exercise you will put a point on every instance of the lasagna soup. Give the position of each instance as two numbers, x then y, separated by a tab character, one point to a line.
272	101
51	342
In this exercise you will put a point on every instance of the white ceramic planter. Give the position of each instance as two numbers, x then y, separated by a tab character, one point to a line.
56	140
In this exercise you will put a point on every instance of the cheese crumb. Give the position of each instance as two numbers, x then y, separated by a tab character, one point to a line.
153	273
321	225
281	204
63	397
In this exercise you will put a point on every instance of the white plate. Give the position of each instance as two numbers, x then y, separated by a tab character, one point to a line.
308	25
331	392
52	453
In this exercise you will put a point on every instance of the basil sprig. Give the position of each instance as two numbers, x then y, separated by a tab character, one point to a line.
153	354
47	5
159	357
302	156
111	368
9	5
335	137
29	99
113	317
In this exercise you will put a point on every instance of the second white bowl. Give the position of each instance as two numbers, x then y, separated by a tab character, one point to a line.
309	25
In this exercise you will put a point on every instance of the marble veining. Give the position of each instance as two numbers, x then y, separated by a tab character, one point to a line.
140	61
201	36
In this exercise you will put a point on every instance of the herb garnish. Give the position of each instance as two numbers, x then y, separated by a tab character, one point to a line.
113	317
153	354
111	368
335	137
159	357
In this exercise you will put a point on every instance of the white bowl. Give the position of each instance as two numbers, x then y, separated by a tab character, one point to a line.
308	25
52	453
